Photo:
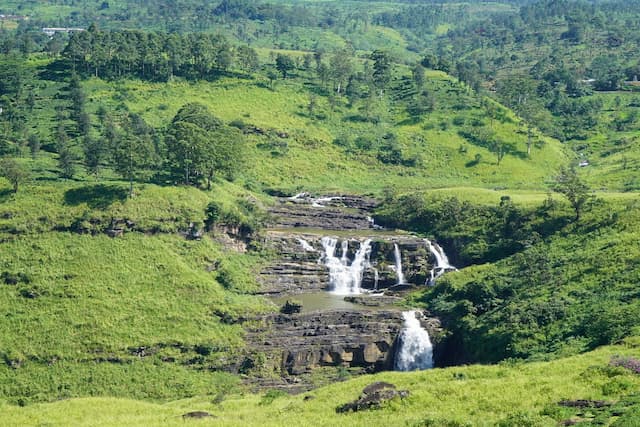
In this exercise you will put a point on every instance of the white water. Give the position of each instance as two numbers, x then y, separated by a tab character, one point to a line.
344	277
299	196
442	262
398	257
320	201
306	246
316	202
415	350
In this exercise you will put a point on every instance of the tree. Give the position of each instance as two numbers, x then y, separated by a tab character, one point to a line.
417	74
133	157
33	141
571	186
607	71
223	154
200	146
341	67
13	171
381	68
284	64
66	159
93	154
247	59
186	141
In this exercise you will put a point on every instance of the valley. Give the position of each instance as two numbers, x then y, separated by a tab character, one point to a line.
297	212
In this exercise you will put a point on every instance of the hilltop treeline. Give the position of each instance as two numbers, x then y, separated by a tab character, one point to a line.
155	56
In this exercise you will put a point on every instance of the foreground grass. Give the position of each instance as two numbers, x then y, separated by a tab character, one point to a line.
149	314
512	394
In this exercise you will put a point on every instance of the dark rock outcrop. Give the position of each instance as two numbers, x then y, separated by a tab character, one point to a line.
197	414
331	212
298	343
373	396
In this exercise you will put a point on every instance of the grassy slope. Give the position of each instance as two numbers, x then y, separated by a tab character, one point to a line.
470	395
311	161
574	291
83	304
88	302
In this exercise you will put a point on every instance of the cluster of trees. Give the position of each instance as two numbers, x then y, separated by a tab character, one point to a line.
423	18
195	147
199	146
477	234
155	56
535	67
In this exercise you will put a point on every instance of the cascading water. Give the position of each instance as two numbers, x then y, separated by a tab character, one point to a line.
398	258
320	201
442	262
415	351
305	245
345	278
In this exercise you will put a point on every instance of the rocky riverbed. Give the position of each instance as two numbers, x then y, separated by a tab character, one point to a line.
359	331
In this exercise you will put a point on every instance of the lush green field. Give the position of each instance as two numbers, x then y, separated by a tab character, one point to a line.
90	315
395	100
508	394
308	157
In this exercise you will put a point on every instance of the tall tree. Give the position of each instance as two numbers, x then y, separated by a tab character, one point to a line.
134	157
341	68
284	64
577	193
199	145
13	171
382	68
247	59
93	154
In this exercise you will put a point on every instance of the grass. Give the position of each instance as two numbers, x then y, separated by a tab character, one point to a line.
83	301
307	156
466	395
78	308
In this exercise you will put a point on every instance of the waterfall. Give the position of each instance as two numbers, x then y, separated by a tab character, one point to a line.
414	349
305	245
442	262
396	253
299	196
316	202
320	201
345	278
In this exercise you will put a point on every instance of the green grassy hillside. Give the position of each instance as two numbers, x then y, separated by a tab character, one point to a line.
508	394
86	314
395	100
298	150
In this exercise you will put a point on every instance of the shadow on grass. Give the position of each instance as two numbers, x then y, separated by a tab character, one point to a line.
98	196
56	71
5	193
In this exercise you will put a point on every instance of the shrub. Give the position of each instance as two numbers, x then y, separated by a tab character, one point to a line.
629	363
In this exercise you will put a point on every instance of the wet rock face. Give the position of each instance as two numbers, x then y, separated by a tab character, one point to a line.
299	268
331	212
292	344
298	343
302	342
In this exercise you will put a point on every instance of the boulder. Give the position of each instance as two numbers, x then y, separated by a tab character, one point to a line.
373	396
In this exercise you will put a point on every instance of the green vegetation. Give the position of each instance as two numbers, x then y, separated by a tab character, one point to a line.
133	152
466	395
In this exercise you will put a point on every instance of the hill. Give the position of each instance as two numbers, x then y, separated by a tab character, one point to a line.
460	396
155	184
